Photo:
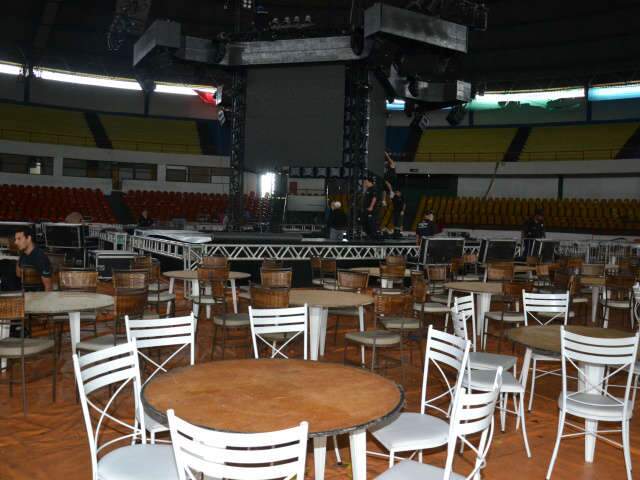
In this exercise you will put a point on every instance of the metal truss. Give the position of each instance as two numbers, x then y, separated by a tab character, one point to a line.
236	158
192	254
355	148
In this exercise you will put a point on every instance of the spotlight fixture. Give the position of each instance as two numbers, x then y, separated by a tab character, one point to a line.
247	4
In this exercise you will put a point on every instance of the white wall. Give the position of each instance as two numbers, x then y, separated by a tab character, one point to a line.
602	187
528	187
59	152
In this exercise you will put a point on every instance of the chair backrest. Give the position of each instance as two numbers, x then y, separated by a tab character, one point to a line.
276	277
241	456
117	368
78	280
444	352
269	263
464	310
472	414
350	280
562	280
329	267
316	267
619	354
618	287
592	269
12	311
137	279
214	278
292	321
395	260
388	304
498	272
159	334
142	262
263	297
214	261
392	271
57	260
514	290
437	273
545	308
131	302
30	277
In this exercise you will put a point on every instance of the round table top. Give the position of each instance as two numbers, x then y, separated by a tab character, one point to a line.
250	396
475	287
591	281
328	298
13	258
51	303
524	268
547	338
375	271
193	275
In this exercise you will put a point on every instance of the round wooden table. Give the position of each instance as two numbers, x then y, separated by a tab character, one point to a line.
375	272
192	276
249	396
72	303
483	292
547	339
319	302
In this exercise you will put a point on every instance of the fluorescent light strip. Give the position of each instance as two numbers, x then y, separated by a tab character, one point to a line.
543	95
181	89
620	92
10	69
56	76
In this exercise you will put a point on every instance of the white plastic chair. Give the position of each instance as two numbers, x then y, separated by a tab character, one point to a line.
241	456
544	309
271	325
481	379
592	401
117	368
477	360
158	334
412	431
472	413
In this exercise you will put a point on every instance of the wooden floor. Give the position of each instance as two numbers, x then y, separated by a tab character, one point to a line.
51	442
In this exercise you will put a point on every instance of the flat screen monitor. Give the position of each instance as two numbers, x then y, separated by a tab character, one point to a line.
443	250
63	235
499	250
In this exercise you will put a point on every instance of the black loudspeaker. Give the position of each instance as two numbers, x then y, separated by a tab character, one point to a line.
456	115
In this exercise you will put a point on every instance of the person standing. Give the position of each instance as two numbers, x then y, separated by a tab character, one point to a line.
32	256
145	220
399	206
337	222
533	229
370	208
426	228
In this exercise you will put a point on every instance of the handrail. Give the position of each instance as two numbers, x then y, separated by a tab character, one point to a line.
58	139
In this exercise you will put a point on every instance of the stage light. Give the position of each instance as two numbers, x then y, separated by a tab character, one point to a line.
247	4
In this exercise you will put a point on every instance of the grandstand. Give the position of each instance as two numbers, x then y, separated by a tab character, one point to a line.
464	144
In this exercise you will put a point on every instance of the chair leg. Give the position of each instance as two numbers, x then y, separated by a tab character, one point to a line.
24	386
524	427
554	455
54	373
335	332
504	400
392	458
10	365
626	447
213	341
336	450
533	383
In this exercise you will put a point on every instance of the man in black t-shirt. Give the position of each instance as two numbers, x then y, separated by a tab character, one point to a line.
426	228
532	229
337	222
145	220
370	207
32	256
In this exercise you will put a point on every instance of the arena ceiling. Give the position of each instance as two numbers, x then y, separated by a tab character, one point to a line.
529	44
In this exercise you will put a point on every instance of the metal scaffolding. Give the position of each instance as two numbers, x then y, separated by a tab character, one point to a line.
236	179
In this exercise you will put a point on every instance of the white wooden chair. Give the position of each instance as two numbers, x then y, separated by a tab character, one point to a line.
101	377
591	400
159	334
544	309
241	456
272	325
413	431
472	414
465	307
481	379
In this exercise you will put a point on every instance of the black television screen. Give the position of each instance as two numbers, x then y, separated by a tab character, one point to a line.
499	250
63	235
443	250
